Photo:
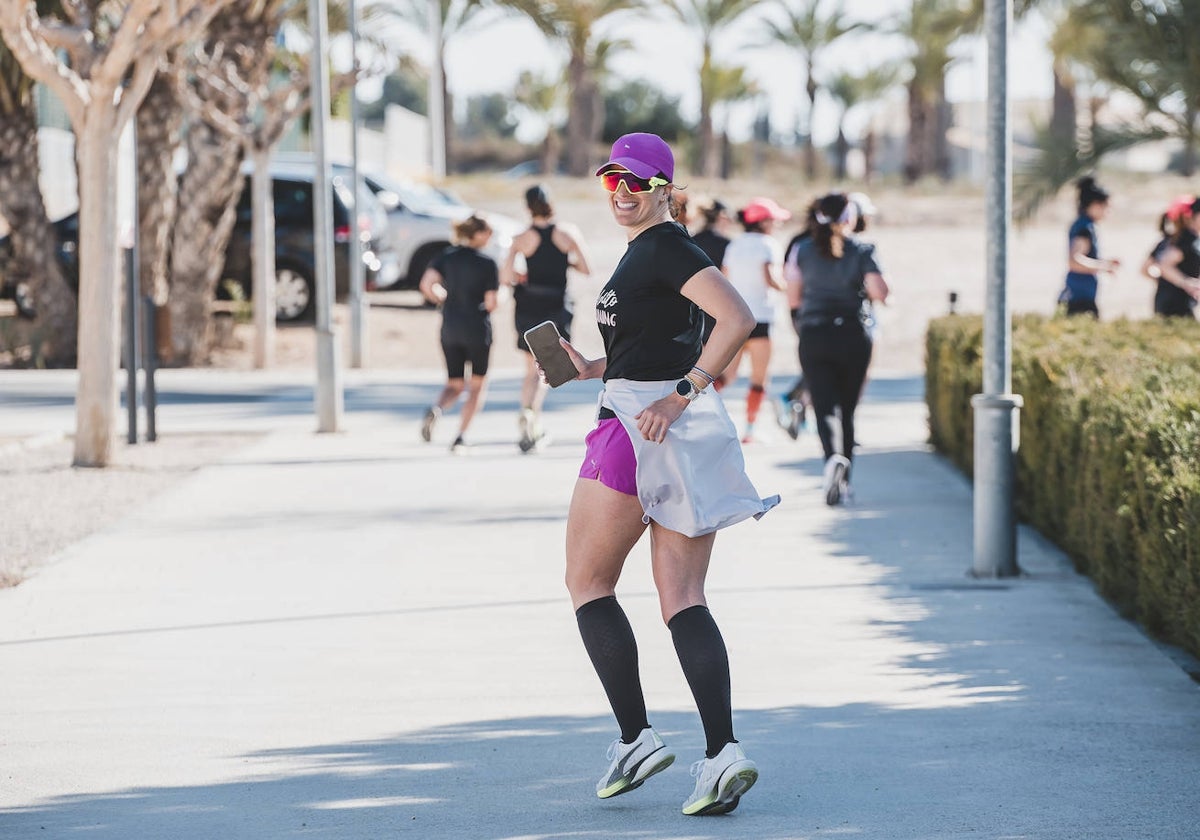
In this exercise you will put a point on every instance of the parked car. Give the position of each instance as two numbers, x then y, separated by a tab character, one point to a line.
295	260
66	230
292	190
420	217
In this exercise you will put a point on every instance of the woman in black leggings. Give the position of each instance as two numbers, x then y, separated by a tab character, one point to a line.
835	279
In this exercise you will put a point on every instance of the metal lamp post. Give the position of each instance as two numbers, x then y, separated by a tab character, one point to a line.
329	396
358	299
997	409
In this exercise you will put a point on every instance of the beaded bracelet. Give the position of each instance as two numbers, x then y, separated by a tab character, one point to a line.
711	379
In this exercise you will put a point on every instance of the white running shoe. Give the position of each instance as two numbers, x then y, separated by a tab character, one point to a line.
836	478
720	782
633	763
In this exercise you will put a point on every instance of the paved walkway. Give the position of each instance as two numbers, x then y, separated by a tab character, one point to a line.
361	636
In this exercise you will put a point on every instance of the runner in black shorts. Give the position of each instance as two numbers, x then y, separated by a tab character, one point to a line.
464	282
540	294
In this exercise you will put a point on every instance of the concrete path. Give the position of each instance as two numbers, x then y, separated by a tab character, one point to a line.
360	636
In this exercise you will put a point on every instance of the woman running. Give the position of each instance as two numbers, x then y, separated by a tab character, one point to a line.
665	453
463	281
540	293
836	279
1083	261
754	265
1179	267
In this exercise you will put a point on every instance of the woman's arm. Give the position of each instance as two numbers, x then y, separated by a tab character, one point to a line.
576	250
431	286
490	299
508	271
1080	262
1168	266
773	277
588	368
876	286
709	290
1151	270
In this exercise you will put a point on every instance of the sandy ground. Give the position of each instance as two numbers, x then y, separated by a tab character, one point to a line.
930	243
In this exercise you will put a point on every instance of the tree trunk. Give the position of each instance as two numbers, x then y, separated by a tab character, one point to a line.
707	160
551	151
262	203
940	141
34	245
207	200
448	140
1063	122
918	155
810	149
869	146
578	114
159	126
841	152
99	273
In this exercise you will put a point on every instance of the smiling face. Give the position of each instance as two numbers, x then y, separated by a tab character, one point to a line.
638	211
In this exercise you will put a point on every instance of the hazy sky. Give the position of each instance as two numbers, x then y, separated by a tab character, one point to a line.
490	54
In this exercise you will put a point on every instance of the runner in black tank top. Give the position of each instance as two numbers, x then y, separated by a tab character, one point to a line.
540	294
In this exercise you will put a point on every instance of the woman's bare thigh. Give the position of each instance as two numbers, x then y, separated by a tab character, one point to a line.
603	526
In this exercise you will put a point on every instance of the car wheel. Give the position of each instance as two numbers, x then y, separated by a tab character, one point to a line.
294	296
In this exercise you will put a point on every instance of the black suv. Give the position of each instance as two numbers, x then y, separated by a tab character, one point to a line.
292	190
294	257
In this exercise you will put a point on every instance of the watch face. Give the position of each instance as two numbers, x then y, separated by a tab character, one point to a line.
683	388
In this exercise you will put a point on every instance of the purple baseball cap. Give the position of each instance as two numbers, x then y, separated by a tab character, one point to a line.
645	155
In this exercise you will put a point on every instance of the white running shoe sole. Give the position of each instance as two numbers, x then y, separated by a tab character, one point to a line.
656	762
738	778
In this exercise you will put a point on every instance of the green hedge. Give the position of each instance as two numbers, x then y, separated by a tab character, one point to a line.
1109	463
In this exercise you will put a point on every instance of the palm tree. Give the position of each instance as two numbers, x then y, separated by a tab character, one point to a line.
727	86
576	24
34	264
543	97
932	27
1149	52
807	31
456	15
850	90
708	18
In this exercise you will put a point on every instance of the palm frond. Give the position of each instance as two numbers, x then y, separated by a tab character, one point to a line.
1058	162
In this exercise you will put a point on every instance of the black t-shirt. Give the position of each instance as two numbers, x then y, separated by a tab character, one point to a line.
713	244
1169	299
467	276
834	287
545	291
652	332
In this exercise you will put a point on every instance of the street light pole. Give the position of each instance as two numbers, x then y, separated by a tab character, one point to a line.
329	386
358	299
437	100
996	409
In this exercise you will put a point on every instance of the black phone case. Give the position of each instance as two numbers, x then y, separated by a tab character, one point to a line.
543	341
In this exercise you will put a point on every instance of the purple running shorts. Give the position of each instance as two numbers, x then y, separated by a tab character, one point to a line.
609	458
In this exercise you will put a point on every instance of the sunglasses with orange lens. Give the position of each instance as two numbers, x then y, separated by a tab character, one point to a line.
613	179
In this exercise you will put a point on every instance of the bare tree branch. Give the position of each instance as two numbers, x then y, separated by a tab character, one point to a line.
22	31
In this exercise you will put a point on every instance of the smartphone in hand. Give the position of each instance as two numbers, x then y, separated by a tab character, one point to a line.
543	340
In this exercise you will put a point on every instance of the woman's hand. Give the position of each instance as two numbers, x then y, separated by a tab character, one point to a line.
588	368
654	420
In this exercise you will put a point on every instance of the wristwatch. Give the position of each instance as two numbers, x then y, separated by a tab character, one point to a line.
687	389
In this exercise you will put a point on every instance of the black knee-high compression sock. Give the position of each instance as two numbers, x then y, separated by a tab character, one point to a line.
609	640
705	663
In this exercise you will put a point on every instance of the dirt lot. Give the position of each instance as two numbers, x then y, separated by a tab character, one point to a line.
930	242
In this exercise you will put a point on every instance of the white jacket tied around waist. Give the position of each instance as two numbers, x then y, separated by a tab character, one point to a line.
695	481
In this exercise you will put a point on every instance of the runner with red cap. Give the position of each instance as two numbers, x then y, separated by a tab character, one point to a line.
754	265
